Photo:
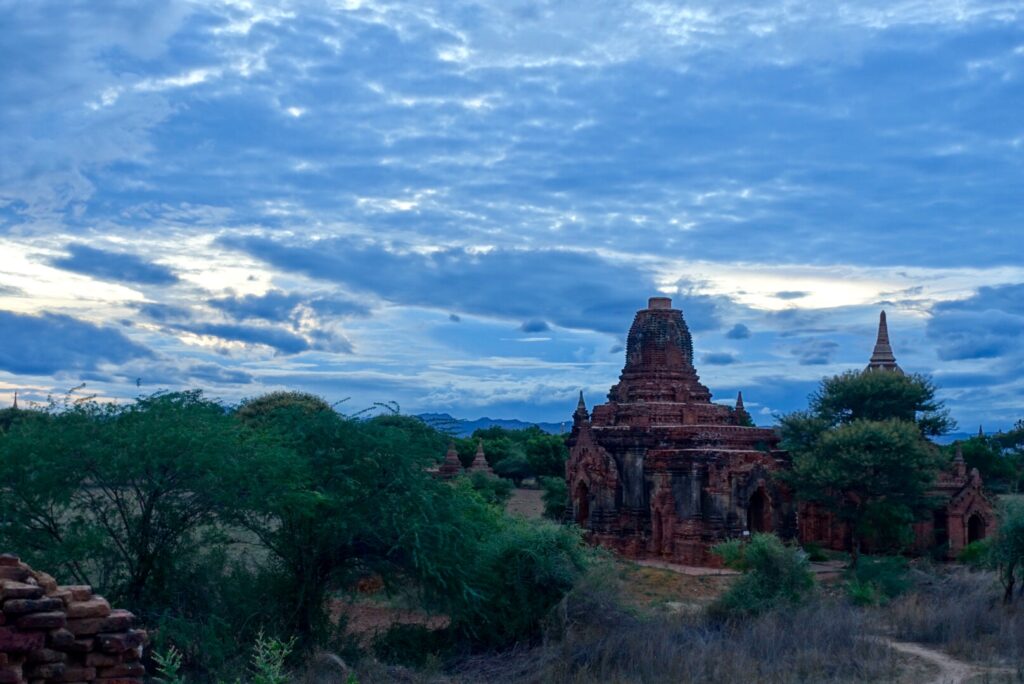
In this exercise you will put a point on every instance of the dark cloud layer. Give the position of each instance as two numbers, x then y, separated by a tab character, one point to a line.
571	289
116	266
988	324
51	343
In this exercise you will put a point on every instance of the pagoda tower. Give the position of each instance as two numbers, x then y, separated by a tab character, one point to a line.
882	357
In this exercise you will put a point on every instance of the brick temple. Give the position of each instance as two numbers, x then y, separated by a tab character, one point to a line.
963	512
660	471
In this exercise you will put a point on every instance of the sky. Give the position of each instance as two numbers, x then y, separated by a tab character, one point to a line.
459	206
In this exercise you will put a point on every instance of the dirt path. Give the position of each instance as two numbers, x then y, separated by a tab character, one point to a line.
951	671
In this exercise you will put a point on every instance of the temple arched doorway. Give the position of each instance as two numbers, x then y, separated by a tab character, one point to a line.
759	512
975	528
582	504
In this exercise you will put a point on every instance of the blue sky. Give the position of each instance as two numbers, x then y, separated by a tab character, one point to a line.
458	206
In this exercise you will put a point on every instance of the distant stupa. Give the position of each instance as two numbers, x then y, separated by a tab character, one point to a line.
882	357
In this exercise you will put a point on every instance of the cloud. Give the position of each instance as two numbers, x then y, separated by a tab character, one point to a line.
116	266
273	306
282	340
738	332
988	324
572	289
815	352
10	291
534	326
791	294
49	343
454	318
720	358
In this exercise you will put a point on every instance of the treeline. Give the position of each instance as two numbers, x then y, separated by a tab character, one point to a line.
216	524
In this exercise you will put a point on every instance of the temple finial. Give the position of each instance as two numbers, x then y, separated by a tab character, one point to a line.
580	415
15	405
739	401
981	432
882	357
959	457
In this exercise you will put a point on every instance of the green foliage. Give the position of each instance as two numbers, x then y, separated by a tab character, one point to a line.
546	453
815	553
493	490
220	527
113	495
984	453
977	554
521	570
514	467
256	410
168	666
555	497
1008	549
876	580
268	658
774	574
880	396
860	452
874	475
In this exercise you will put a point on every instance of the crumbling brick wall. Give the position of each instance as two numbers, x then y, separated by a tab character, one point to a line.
67	634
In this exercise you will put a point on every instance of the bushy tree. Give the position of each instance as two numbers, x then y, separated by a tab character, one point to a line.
984	453
880	395
1008	549
860	451
774	574
555	497
116	494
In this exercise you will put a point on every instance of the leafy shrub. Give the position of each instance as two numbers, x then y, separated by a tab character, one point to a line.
815	552
494	490
522	570
774	574
877	579
555	497
977	554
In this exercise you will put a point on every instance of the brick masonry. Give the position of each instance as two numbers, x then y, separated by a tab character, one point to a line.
63	634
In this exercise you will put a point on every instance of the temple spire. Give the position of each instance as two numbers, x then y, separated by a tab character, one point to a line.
739	401
981	432
580	415
15	405
480	463
882	357
959	464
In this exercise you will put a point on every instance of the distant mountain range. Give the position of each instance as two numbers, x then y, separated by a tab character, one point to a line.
464	428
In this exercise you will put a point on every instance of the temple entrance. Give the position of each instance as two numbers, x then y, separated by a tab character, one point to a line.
939	522
758	509
975	528
582	504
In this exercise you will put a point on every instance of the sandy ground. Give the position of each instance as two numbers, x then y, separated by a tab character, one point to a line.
526	502
947	670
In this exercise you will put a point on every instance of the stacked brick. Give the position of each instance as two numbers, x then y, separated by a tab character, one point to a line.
63	634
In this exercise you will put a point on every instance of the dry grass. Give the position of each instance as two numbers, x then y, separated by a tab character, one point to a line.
960	612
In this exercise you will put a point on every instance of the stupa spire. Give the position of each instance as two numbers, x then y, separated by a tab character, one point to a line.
882	357
480	463
15	404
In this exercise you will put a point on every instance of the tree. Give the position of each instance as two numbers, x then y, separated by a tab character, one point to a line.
881	395
874	475
546	453
860	451
115	494
1011	445
1008	549
773	574
555	497
984	453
